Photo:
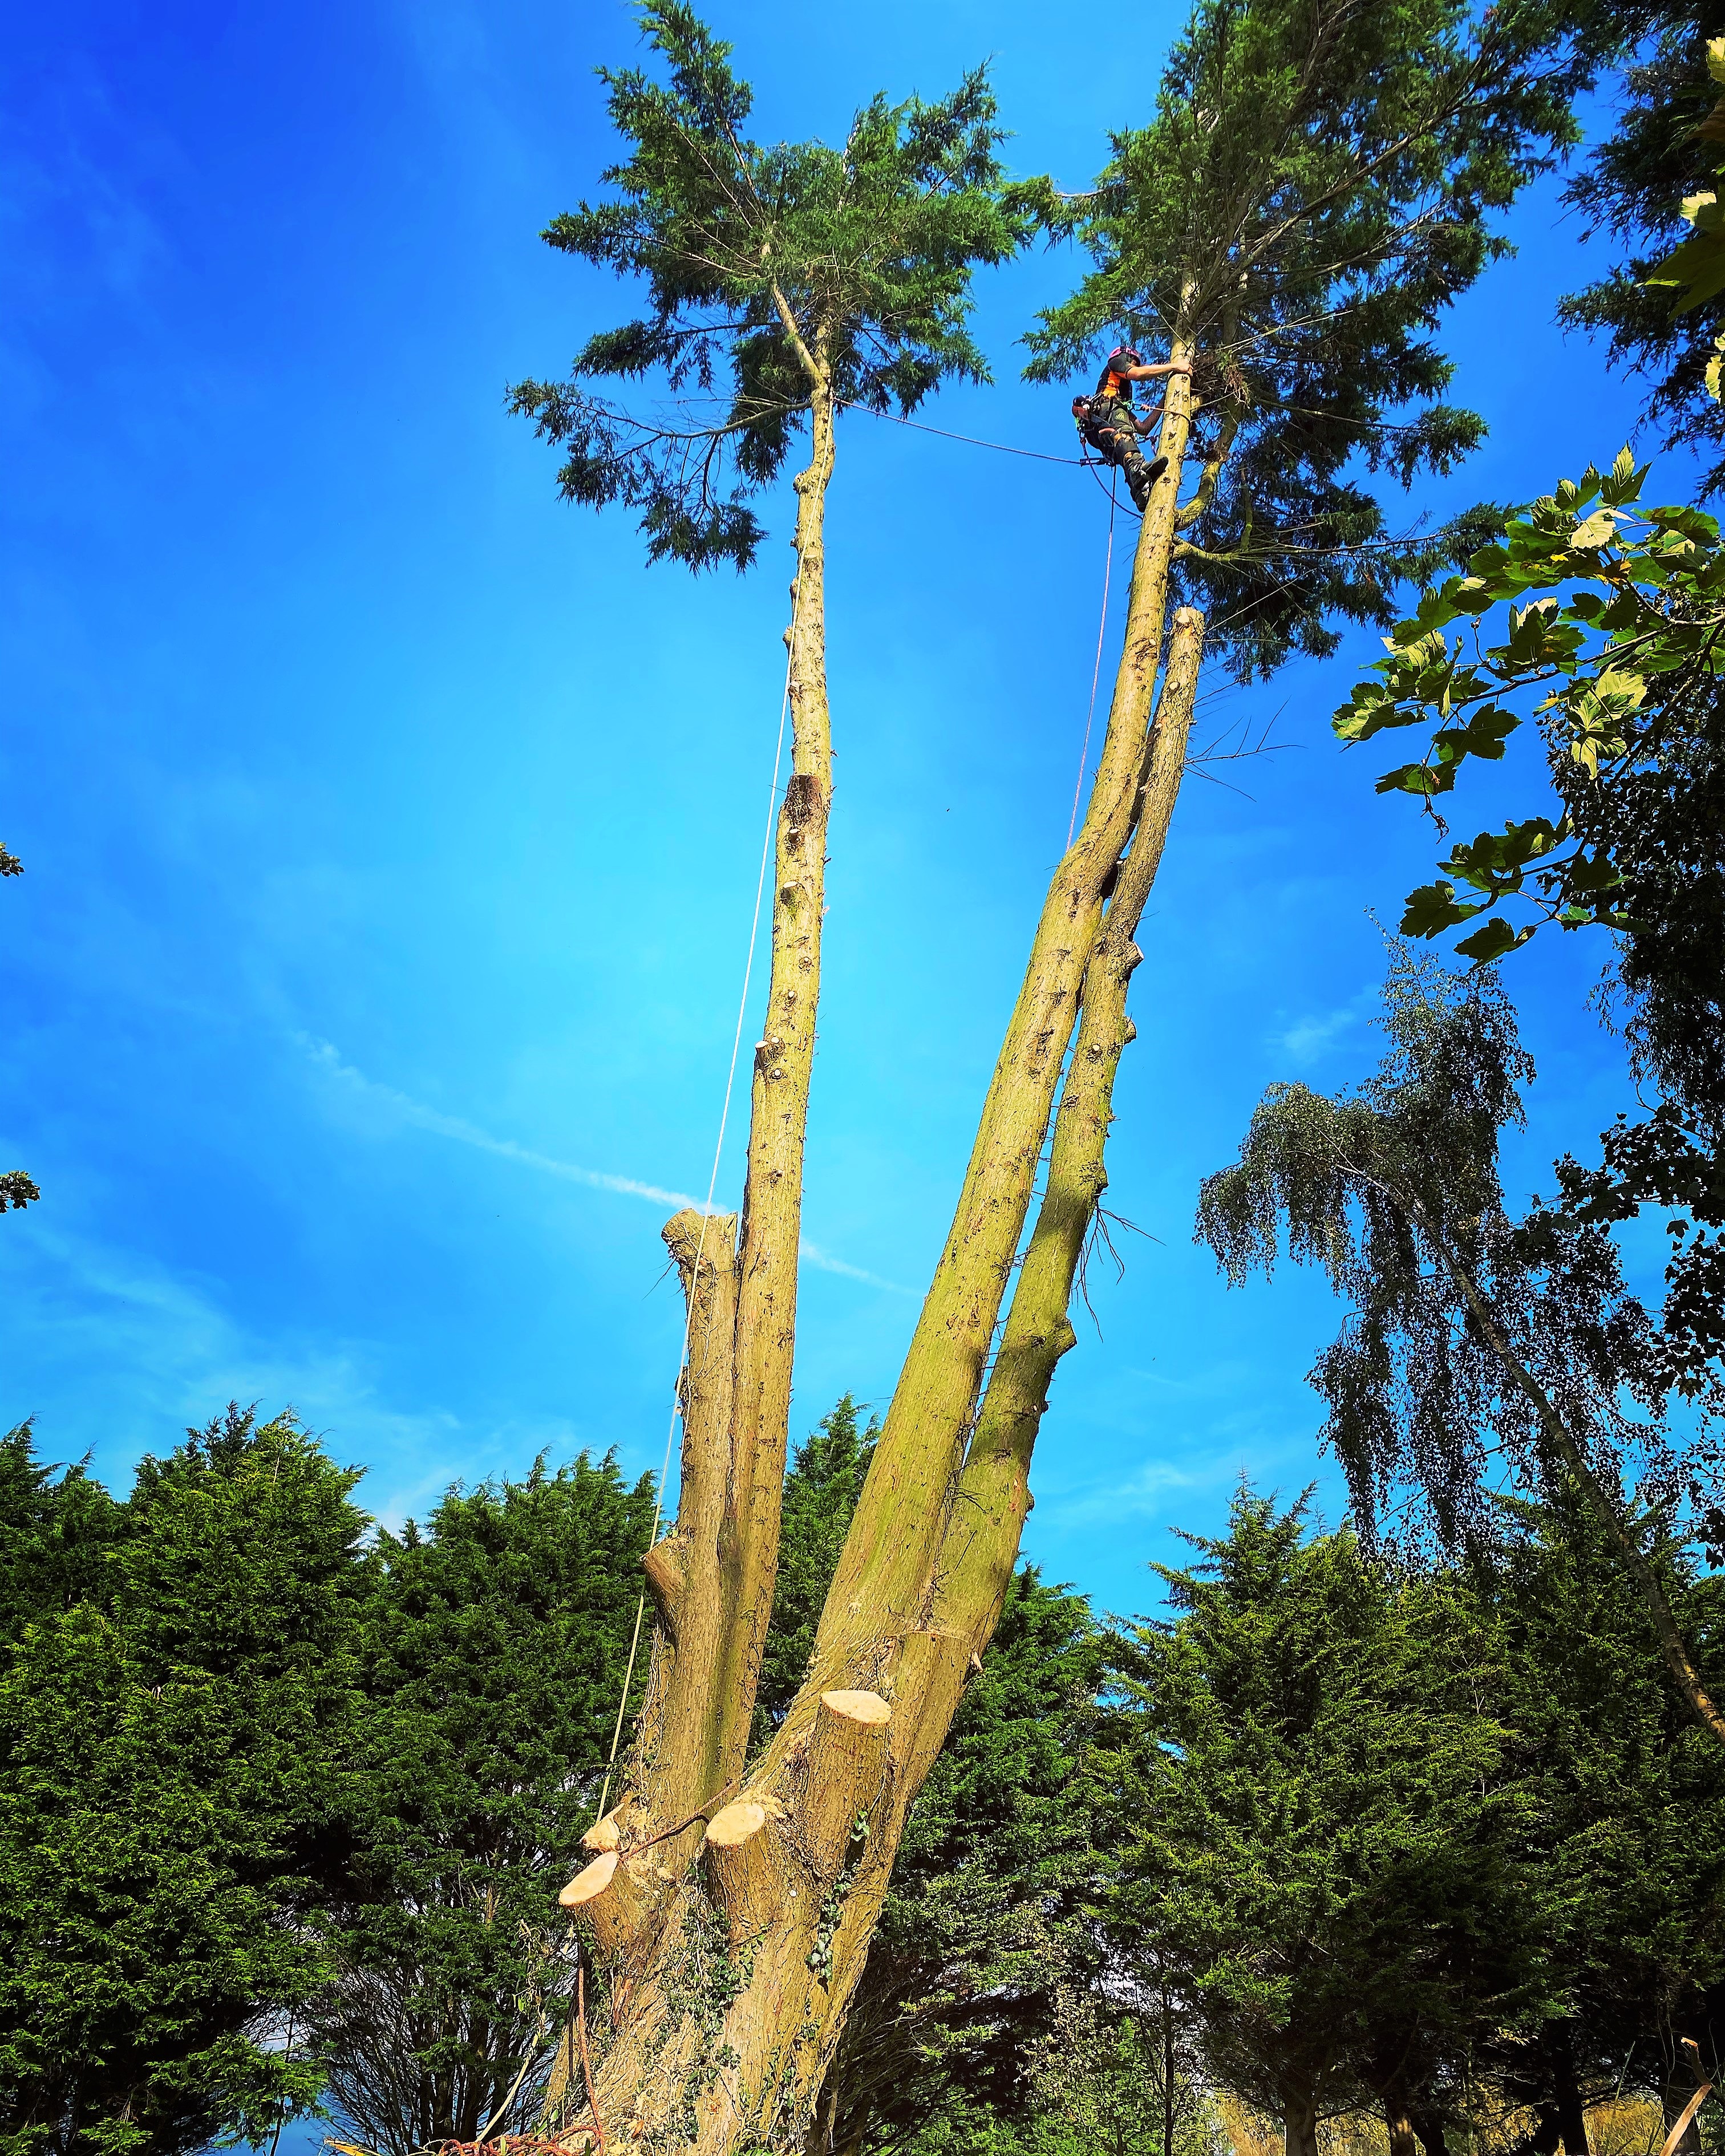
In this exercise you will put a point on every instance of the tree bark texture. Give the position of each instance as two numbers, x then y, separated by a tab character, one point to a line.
888	1557
726	1983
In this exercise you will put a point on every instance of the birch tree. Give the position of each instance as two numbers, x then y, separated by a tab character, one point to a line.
730	1901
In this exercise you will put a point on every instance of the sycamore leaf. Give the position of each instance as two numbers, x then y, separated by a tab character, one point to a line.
1484	736
1417	778
1598	530
1371	711
1496	940
1432	908
1693	523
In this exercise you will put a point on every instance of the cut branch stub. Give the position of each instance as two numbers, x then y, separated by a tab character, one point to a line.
847	1760
607	1896
746	1870
602	1834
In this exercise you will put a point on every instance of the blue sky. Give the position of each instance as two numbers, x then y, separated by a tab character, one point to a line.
390	830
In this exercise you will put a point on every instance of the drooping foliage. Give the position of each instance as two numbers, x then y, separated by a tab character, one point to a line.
1633	187
1315	186
1394	1189
773	272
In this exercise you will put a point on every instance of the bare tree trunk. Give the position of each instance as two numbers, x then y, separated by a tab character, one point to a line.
1429	2125
728	1985
1571	2115
711	1577
1299	2124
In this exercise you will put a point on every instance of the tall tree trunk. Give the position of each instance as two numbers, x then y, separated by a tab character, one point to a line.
1571	2114
1167	2075
889	1553
711	1577
1299	2122
729	1991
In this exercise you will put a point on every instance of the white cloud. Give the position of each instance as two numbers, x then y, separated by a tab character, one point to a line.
1311	1038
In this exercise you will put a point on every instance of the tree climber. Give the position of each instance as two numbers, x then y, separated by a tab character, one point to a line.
1107	423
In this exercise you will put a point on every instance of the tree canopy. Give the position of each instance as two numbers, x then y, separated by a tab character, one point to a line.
1317	186
774	273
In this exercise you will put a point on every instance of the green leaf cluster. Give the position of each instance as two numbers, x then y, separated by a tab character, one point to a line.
1613	625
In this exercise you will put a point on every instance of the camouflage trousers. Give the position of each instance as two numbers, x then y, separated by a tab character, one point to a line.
1110	433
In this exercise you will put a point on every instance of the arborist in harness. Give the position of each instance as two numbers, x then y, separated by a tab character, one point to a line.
1107	422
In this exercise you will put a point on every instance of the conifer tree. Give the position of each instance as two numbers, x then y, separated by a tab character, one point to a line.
176	1727
1317	1821
490	1647
1663	153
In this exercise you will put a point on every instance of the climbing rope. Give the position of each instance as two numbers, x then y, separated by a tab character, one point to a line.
1096	670
712	1184
976	442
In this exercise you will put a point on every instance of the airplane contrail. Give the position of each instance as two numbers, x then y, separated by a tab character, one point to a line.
328	1059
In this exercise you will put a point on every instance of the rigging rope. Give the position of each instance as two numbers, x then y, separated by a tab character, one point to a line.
976	442
712	1182
1096	670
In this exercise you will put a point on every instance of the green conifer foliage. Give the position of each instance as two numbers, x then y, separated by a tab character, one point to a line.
773	272
178	1709
1309	1785
821	1488
1633	188
492	1647
1316	185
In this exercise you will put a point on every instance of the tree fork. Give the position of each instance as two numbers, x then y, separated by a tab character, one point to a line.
797	1864
776	1922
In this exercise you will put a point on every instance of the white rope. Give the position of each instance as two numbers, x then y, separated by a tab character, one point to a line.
713	1181
1096	670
